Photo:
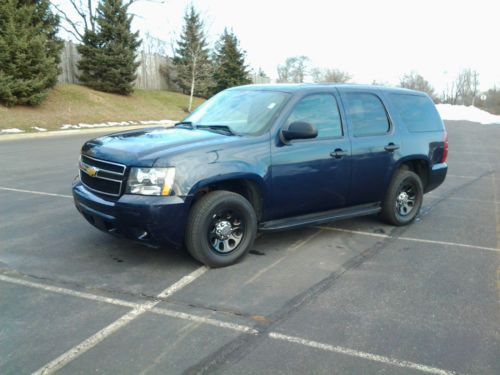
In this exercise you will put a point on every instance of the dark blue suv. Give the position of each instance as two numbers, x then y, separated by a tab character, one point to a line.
265	158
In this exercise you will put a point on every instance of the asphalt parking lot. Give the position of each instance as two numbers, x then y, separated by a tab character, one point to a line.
356	297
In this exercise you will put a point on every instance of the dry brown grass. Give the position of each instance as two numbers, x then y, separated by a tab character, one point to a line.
73	104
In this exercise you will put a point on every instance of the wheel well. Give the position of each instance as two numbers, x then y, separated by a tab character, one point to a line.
245	187
420	167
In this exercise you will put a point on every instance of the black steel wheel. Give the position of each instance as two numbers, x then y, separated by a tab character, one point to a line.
403	199
406	198
221	228
225	231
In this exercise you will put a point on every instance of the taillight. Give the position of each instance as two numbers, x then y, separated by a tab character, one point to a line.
445	150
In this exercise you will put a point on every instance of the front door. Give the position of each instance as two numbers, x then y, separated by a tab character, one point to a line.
312	175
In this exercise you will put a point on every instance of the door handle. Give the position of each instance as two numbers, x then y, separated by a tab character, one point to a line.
338	153
391	147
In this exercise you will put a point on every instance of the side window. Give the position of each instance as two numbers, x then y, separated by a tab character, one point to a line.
417	112
367	113
322	111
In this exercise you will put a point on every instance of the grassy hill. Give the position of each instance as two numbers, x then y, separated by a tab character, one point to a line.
73	104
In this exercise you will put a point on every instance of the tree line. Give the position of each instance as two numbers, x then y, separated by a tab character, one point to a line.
30	50
464	89
30	55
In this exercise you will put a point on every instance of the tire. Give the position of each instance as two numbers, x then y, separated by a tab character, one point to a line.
403	199
221	228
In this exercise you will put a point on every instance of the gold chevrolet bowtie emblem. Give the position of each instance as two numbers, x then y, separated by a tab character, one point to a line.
91	171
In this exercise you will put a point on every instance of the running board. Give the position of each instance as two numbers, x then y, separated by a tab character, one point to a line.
320	217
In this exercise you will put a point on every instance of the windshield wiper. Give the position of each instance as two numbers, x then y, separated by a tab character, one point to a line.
218	128
185	124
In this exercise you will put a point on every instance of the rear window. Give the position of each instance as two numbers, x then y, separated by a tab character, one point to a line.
417	112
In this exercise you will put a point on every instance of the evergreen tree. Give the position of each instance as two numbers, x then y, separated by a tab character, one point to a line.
50	26
191	58
229	63
29	51
109	54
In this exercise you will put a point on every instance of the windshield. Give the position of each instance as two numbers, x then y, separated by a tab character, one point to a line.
242	111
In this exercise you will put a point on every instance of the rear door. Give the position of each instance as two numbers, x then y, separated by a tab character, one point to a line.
375	144
312	175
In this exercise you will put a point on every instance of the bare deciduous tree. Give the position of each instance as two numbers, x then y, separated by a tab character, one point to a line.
490	101
78	16
379	83
153	45
84	19
330	75
415	81
464	89
293	70
467	86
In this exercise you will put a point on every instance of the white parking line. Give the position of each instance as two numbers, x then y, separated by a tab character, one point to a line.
205	320
470	177
456	244
461	176
95	339
359	354
432	196
69	292
35	192
139	309
118	302
471	162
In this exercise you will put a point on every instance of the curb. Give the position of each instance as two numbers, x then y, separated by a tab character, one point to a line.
58	133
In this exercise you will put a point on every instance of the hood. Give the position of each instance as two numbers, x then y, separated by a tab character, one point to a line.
142	147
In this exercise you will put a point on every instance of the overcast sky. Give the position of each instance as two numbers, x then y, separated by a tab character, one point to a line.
372	40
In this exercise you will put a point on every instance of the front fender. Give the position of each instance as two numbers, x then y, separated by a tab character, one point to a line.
235	174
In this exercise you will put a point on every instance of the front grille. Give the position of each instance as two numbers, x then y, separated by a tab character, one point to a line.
102	176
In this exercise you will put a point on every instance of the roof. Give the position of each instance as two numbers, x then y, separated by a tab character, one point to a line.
296	87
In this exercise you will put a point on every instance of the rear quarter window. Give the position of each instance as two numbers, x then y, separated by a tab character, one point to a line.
417	112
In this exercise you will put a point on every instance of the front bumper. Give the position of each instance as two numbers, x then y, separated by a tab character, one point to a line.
147	219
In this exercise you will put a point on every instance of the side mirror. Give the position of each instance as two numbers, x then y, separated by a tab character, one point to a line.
299	130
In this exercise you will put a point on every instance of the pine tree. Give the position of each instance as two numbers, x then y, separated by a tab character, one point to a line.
109	54
229	63
29	51
50	26
191	58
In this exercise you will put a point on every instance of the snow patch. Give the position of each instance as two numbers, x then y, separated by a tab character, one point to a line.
465	113
160	122
39	129
114	123
11	130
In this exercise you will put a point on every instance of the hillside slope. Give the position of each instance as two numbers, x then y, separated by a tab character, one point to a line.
74	104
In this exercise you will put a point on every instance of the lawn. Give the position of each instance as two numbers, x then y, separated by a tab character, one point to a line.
74	104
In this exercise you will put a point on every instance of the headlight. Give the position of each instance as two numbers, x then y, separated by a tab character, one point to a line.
151	181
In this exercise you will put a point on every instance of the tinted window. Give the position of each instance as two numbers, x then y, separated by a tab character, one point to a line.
417	112
367	113
322	111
